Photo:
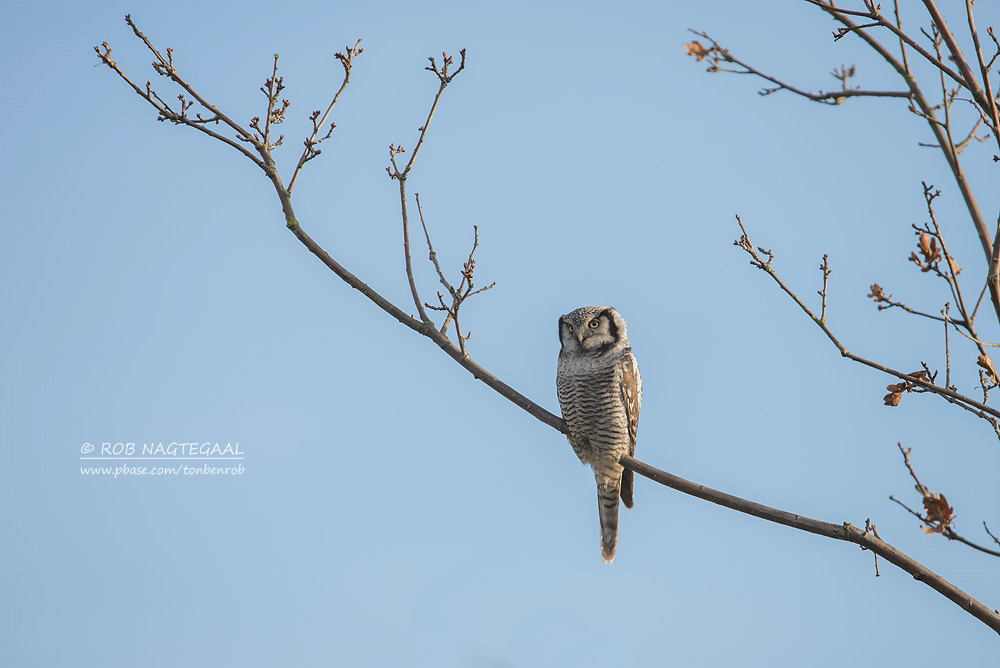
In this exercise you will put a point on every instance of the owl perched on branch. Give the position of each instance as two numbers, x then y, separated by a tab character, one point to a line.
600	392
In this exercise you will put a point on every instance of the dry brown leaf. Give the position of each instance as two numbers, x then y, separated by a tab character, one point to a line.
697	50
876	293
922	374
924	243
938	509
895	394
985	362
955	269
927	245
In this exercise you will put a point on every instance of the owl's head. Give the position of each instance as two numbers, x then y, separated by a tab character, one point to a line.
592	329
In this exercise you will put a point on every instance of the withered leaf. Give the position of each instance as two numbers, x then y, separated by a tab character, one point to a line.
927	245
985	362
892	399
697	50
895	394
938	509
955	269
876	293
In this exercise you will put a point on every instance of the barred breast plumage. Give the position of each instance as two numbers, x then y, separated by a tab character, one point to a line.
600	393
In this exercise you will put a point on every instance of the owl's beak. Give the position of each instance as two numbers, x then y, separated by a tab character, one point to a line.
579	336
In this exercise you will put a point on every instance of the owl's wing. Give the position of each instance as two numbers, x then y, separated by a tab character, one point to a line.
630	388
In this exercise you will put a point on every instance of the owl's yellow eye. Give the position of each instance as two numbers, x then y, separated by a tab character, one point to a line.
594	324
570	328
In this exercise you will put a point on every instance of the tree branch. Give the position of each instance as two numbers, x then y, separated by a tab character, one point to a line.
981	410
968	78
927	111
920	106
346	59
400	175
718	54
845	532
939	514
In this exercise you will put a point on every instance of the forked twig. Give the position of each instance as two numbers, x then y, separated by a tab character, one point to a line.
949	395
310	151
939	515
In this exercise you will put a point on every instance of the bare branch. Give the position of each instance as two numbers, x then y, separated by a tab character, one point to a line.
845	532
885	302
881	21
400	175
927	111
996	52
432	256
939	515
717	55
902	44
952	270
165	67
168	114
968	78
977	408
346	59
445	79
825	268
947	349
962	145
995	539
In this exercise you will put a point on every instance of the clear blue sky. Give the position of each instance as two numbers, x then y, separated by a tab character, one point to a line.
392	510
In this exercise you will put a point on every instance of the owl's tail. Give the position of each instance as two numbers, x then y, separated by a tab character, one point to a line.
607	505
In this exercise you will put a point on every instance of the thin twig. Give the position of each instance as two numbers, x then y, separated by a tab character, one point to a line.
880	20
869	527
825	268
976	407
908	509
979	344
995	539
924	492
941	523
400	175
952	269
902	44
978	302
167	114
885	302
433	258
310	151
988	242
718	54
947	350
968	78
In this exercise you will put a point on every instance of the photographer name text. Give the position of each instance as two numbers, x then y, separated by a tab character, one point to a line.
164	450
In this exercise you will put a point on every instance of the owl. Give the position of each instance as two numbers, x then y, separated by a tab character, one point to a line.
600	392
